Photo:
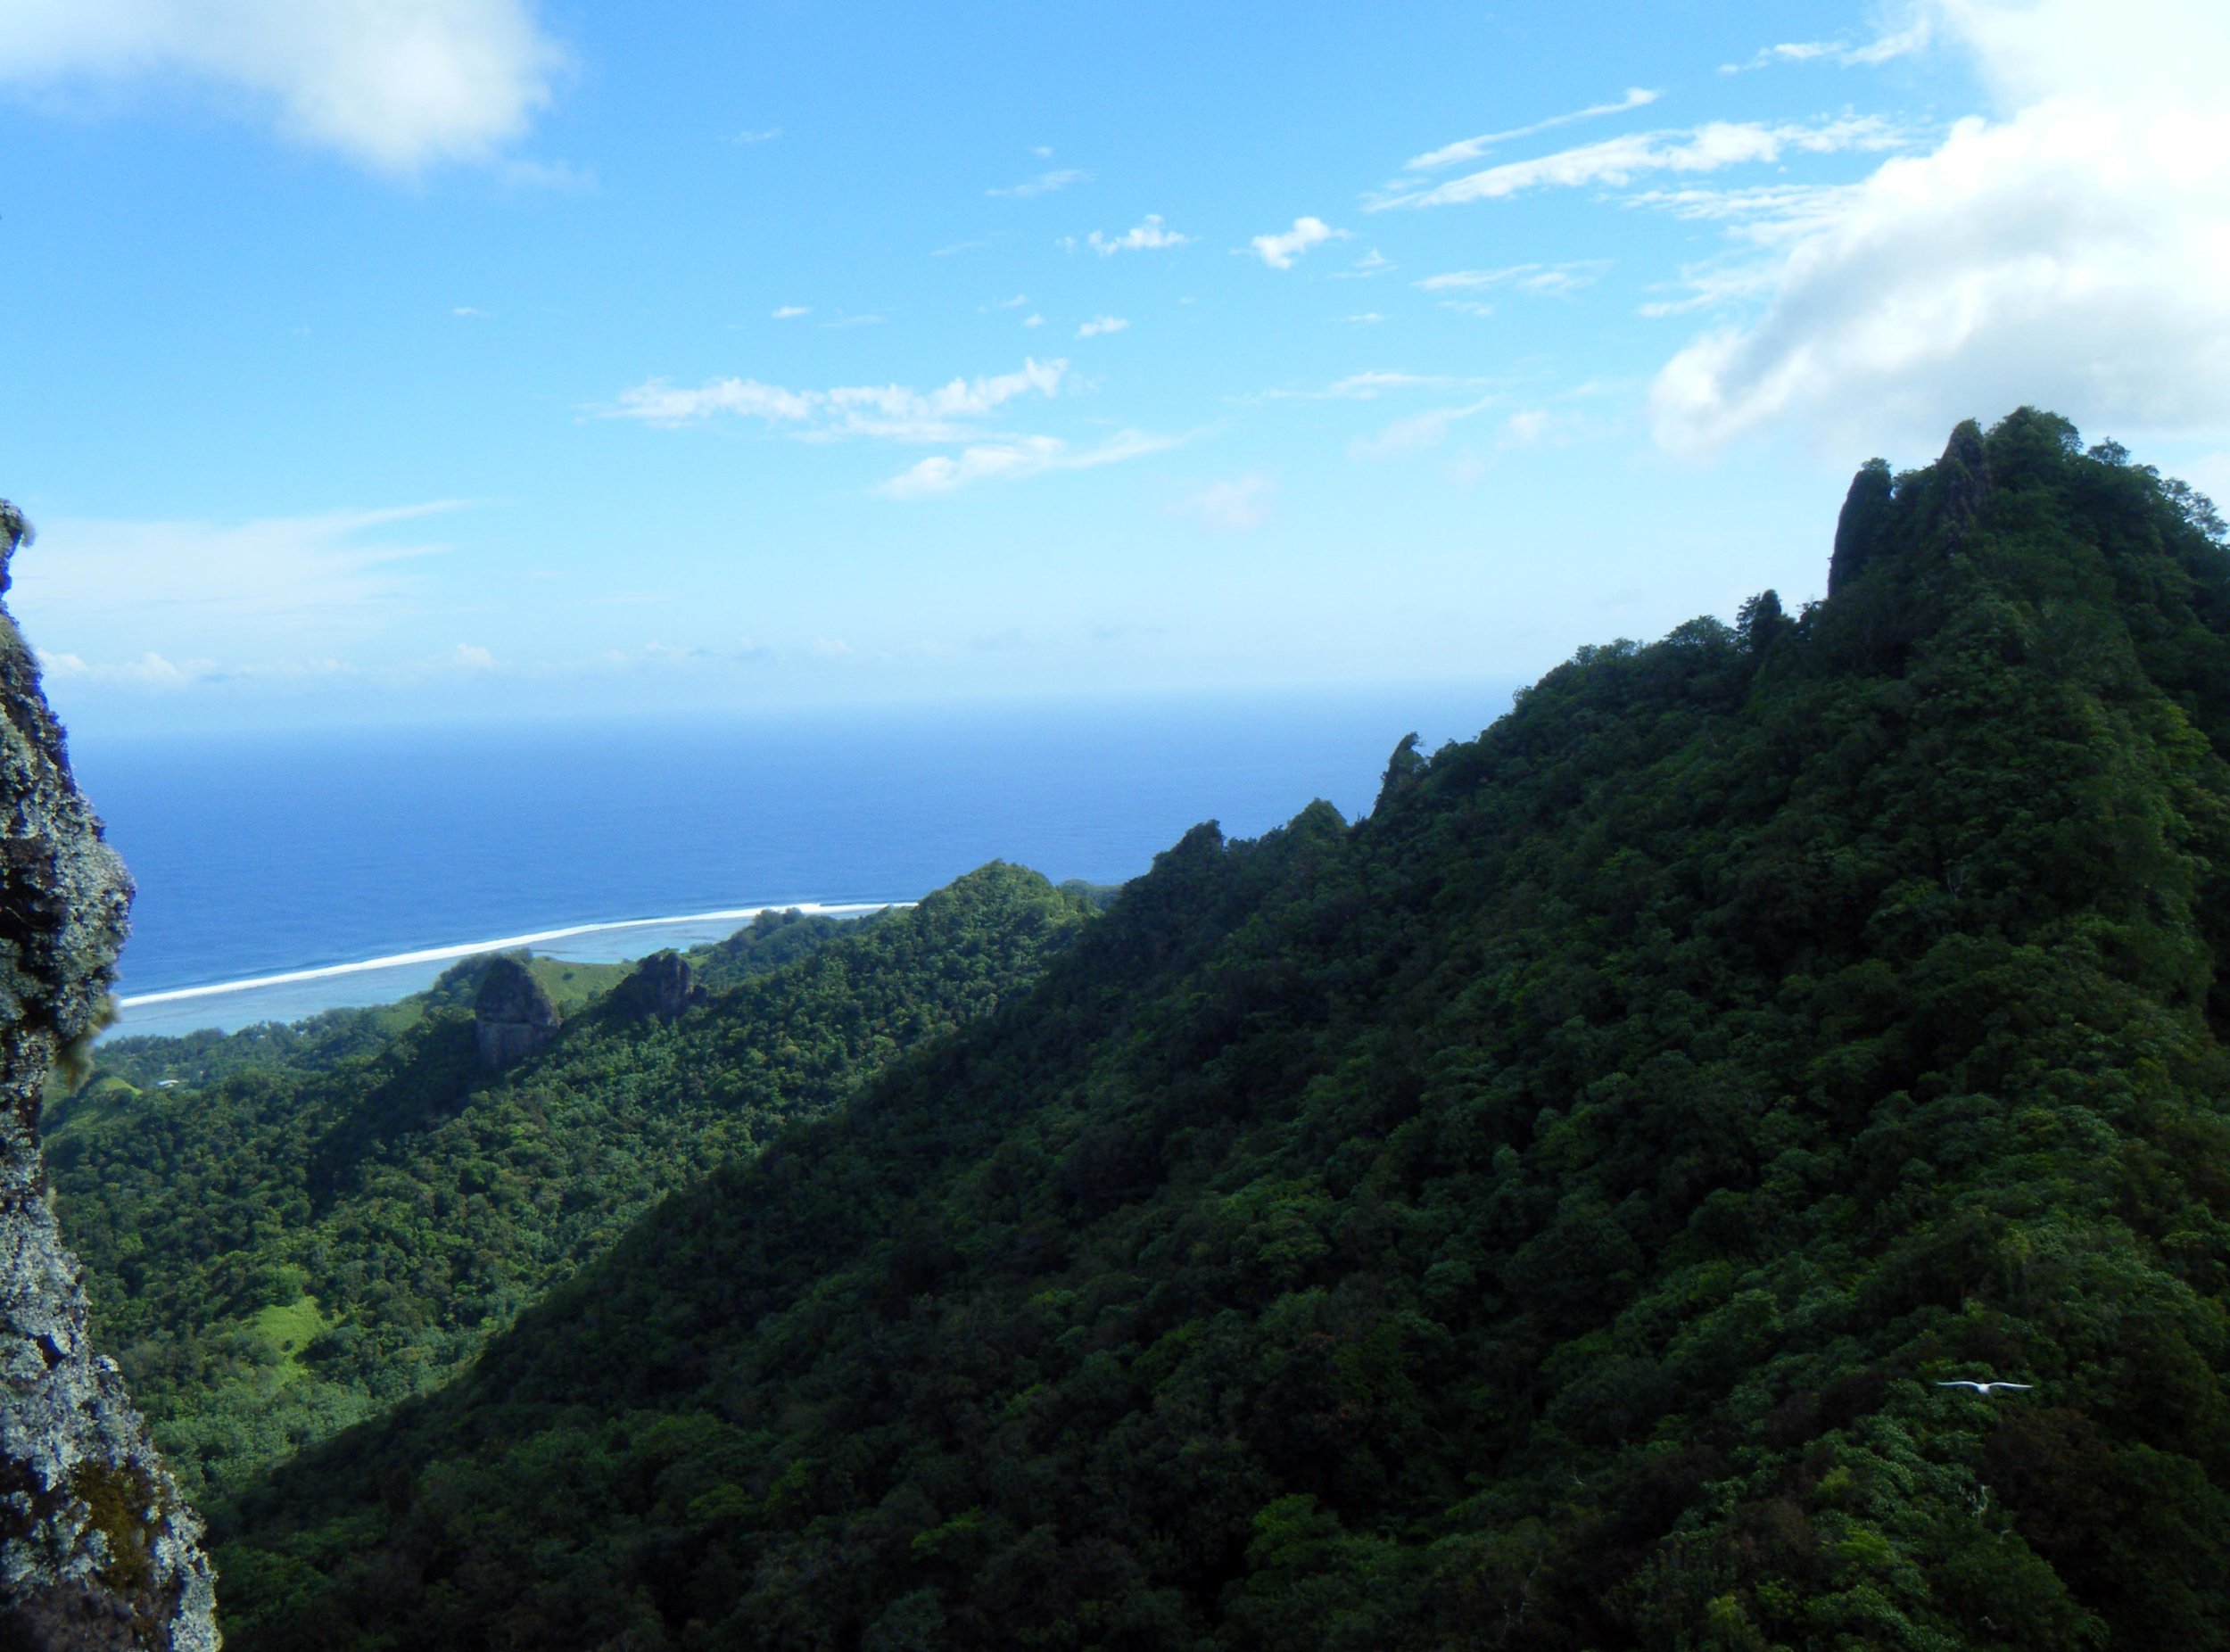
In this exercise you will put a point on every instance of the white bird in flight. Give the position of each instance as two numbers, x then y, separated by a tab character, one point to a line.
1984	1388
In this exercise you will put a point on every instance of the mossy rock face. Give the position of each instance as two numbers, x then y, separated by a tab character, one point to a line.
97	1550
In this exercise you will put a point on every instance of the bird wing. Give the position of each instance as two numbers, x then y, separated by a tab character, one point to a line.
1963	1382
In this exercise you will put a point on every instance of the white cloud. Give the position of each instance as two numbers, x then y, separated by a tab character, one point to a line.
1761	213
1372	263
396	86
2072	251
1472	148
1100	324
471	657
470	313
790	312
1538	280
1617	161
1044	183
1420	430
1367	318
767	137
1368	386
1012	460
1529	427
1843	53
891	412
1033	321
1137	238
104	589
1526	427
150	671
1279	250
1237	505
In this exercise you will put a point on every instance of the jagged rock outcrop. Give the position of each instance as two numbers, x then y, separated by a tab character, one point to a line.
98	1549
512	1017
659	990
1859	531
1965	472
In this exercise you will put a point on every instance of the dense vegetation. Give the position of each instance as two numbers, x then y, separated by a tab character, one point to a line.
1540	1215
124	1065
312	1222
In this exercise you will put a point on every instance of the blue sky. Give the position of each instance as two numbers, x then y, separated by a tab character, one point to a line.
445	358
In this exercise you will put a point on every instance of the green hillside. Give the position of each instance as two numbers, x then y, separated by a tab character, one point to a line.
1541	1215
325	1219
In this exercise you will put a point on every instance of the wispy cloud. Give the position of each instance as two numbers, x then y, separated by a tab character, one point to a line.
1100	325
1617	161
1368	387
1536	280
108	588
767	137
1762	213
1843	53
885	412
1279	250
395	87
1372	263
790	312
1044	183
1239	505
1139	237
1472	148
1419	431
1013	459
470	313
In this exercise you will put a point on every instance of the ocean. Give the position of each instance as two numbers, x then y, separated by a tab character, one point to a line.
358	864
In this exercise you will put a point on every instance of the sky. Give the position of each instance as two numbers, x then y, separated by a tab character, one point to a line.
386	360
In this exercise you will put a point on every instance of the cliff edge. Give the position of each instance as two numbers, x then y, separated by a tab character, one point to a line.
98	1549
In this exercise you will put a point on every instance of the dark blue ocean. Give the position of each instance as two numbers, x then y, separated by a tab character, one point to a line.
258	854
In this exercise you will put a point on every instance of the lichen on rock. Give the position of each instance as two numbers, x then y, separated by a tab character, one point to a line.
97	1549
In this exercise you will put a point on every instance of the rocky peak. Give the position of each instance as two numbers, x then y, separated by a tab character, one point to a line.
659	990
1860	530
512	1017
1965	472
98	1549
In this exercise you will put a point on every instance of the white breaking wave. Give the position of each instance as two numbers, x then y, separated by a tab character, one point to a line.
467	949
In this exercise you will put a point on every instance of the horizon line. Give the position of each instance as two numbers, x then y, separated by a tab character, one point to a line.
435	955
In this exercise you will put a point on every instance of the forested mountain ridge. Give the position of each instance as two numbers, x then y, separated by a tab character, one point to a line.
346	1212
1541	1215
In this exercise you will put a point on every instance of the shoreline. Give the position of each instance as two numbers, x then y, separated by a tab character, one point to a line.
739	915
